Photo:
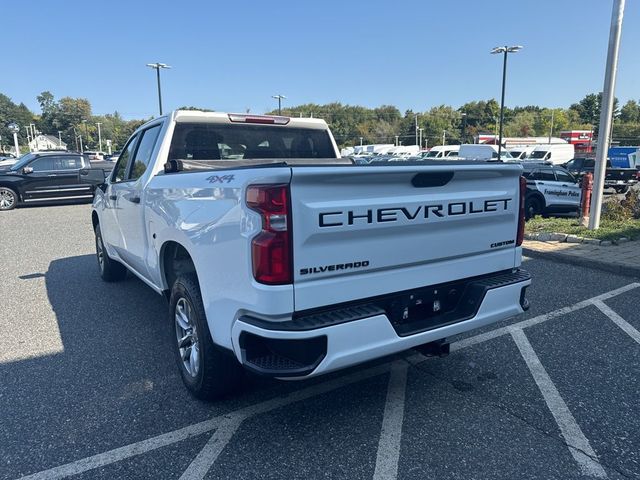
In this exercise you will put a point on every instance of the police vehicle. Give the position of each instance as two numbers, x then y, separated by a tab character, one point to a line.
550	189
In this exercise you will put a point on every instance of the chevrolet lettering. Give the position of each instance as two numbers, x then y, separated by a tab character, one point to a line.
419	213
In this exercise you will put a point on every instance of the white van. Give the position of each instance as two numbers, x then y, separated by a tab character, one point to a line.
557	154
521	152
473	151
442	151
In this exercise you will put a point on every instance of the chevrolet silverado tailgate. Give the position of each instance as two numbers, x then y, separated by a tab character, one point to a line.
364	231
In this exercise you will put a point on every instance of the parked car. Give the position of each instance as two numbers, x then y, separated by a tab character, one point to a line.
6	161
279	261
93	155
620	179
550	189
441	151
474	151
555	153
114	156
45	177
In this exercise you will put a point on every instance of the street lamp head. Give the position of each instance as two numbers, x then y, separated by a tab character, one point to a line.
507	49
158	65
278	97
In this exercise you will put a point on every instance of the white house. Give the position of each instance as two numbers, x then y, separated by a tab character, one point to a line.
46	142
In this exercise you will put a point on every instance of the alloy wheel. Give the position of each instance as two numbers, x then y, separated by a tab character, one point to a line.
187	337
7	199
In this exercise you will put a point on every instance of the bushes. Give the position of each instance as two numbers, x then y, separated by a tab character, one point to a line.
626	209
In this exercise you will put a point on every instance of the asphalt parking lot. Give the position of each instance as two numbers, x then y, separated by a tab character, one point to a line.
88	386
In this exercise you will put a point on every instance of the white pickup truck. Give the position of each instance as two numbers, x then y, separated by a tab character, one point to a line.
279	256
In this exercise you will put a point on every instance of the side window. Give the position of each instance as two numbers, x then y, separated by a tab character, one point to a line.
564	177
545	176
120	170
66	163
42	164
144	151
589	163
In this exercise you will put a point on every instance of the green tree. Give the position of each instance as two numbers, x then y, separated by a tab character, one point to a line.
13	113
588	108
630	112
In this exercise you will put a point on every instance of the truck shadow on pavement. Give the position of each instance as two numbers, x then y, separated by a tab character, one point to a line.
114	382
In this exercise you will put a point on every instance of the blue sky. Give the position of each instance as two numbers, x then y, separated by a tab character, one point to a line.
231	56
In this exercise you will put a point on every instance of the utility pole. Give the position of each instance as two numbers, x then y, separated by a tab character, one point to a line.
14	128
464	127
81	146
416	119
279	97
99	136
421	129
551	129
360	141
59	138
396	140
75	136
86	134
157	66
606	113
444	136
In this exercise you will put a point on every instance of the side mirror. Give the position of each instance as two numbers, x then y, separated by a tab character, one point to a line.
95	176
27	170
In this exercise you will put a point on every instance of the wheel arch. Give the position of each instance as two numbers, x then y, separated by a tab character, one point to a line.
537	196
13	187
175	260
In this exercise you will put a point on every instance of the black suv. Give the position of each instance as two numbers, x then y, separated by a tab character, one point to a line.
41	177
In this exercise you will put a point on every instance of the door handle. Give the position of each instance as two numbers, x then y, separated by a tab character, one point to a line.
52	175
133	199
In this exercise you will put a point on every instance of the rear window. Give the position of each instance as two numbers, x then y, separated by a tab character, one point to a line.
208	141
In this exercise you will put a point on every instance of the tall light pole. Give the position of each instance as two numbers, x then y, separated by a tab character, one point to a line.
157	66
505	50
14	128
86	136
606	113
279	97
464	126
59	138
421	129
99	136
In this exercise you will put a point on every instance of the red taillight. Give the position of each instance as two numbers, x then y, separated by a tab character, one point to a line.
271	248
521	216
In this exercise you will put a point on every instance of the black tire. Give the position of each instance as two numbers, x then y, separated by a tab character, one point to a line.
110	270
621	190
218	373
533	206
8	198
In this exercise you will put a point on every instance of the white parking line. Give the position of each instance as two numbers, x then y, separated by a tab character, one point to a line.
144	446
169	438
200	465
389	445
578	444
618	320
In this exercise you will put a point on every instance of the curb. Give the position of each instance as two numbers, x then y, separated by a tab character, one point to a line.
583	262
